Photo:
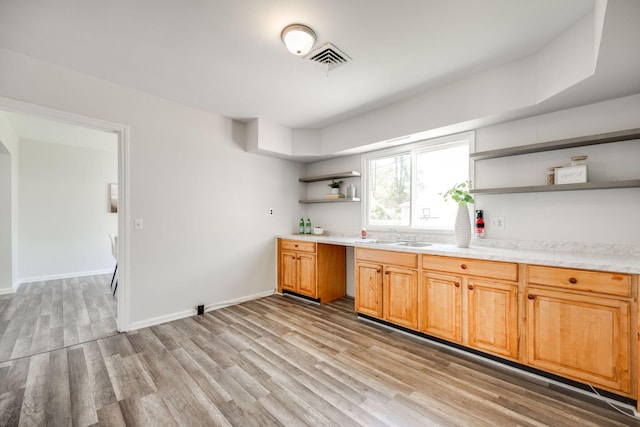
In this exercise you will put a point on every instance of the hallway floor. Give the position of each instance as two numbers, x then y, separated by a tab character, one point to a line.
45	316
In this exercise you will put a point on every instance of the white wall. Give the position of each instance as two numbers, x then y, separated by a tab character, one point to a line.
609	216
9	200
207	234
64	210
578	216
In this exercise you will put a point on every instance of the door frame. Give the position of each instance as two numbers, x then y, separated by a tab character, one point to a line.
122	132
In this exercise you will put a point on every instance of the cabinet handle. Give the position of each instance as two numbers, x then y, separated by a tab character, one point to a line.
295	246
457	285
470	287
573	280
378	271
386	272
463	266
530	296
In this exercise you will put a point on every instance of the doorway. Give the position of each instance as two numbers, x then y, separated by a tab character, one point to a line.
93	283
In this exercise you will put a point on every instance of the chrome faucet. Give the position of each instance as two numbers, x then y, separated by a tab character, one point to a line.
403	237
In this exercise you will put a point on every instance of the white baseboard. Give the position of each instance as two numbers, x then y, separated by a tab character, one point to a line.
4	291
63	276
191	312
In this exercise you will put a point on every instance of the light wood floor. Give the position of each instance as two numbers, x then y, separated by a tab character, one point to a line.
44	316
277	361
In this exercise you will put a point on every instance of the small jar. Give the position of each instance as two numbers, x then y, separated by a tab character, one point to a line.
579	160
551	175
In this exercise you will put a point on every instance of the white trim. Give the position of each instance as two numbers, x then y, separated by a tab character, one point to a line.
124	219
191	312
22	280
123	186
5	291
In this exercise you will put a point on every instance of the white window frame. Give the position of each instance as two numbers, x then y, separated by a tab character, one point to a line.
422	145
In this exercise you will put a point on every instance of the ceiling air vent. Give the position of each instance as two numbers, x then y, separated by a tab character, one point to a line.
329	56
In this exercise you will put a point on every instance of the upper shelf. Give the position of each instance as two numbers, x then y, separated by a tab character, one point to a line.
633	183
582	141
339	175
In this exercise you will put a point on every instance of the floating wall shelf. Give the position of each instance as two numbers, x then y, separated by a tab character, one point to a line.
332	176
342	200
339	175
583	141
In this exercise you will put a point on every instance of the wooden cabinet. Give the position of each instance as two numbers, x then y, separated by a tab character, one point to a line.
387	291
400	301
368	298
492	309
313	270
441	306
476	306
579	326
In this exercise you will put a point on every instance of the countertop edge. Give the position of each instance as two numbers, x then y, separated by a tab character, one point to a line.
579	260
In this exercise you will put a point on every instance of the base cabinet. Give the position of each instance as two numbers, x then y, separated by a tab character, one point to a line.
471	302
313	270
387	291
579	325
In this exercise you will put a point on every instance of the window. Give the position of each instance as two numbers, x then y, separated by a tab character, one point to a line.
404	186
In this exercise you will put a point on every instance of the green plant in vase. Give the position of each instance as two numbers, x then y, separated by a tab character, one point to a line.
459	193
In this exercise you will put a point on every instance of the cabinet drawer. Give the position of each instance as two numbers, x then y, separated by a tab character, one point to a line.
473	267
296	245
580	280
402	259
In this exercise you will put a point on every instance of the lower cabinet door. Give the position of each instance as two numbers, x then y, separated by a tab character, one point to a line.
401	297
582	337
288	270
440	301
369	289
493	317
307	279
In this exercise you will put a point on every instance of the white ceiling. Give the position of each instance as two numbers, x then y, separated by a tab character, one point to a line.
226	56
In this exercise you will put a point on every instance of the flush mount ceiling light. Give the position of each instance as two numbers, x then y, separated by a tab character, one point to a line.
298	38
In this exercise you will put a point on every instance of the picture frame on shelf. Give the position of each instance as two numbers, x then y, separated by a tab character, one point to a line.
571	175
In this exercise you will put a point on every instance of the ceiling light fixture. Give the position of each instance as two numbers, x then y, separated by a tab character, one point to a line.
298	38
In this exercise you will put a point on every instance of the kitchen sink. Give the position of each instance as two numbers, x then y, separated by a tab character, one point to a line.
395	243
414	244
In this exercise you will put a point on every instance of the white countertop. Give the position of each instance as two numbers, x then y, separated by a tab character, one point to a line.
581	260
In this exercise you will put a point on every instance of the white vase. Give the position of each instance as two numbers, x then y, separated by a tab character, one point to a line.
462	230
335	190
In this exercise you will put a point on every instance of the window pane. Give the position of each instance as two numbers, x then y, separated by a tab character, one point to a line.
436	172
390	190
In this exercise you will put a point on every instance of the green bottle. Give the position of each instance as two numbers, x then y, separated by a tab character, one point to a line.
307	229
301	229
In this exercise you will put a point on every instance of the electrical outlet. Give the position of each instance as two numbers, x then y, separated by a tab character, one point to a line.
138	224
497	222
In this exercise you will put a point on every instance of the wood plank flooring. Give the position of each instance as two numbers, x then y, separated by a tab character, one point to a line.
44	316
278	361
